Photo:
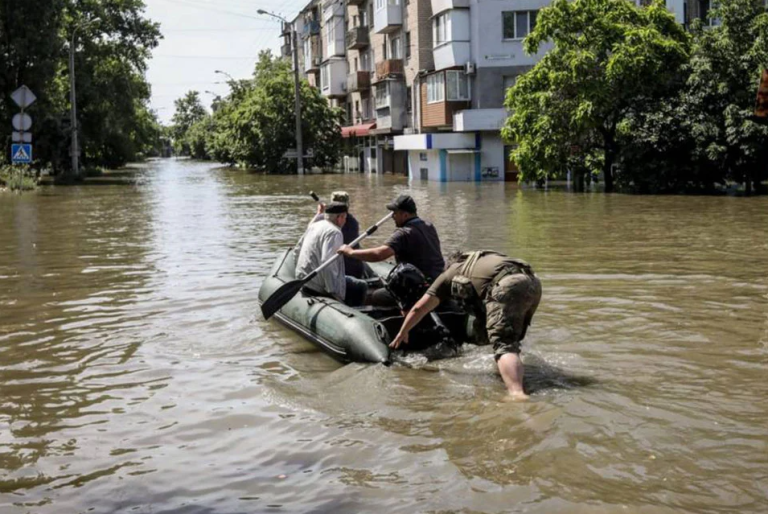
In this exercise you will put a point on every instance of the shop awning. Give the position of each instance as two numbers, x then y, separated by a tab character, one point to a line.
357	130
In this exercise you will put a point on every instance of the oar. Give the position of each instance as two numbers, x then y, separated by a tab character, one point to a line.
314	196
287	291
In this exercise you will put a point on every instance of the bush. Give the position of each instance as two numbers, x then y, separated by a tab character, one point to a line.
18	178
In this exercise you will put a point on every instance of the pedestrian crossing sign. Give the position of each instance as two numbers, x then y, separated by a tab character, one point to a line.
21	154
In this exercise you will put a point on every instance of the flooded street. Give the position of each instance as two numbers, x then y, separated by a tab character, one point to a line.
137	374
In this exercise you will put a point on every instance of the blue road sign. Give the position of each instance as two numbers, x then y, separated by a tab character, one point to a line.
21	154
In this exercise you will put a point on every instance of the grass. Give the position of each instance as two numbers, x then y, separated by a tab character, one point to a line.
17	178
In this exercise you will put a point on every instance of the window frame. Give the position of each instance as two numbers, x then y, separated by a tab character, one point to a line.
440	22
382	102
436	88
511	16
458	77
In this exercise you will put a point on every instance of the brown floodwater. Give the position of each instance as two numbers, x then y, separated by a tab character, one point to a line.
137	375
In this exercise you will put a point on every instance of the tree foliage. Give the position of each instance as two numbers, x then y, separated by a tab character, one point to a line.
189	112
625	85
608	58
110	60
255	125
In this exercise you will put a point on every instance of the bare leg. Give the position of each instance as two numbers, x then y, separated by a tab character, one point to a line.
511	369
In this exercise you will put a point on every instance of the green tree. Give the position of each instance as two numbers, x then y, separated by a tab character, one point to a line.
110	57
608	59
189	111
720	96
255	125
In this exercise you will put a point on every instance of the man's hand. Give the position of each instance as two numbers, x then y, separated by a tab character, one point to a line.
400	338
321	208
345	250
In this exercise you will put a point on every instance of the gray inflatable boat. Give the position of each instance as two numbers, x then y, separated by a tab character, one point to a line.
352	334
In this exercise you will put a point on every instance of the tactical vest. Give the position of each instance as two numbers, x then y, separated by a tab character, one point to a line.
465	293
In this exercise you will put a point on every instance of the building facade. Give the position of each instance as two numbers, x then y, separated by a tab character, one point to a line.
423	82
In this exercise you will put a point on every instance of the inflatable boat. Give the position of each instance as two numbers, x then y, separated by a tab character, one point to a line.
354	334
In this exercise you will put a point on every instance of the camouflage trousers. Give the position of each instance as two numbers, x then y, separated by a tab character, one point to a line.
509	309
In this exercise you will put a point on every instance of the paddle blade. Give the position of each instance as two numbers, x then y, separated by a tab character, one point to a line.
280	297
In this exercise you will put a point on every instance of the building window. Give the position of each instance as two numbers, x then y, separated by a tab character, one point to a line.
379	4
330	32
423	156
365	61
395	48
436	88
424	173
408	99
456	86
324	81
440	29
407	45
518	24
382	94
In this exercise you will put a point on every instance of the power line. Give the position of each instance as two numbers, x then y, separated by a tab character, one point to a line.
228	57
189	3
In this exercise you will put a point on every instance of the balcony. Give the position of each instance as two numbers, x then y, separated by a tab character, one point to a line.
333	78
451	54
358	38
389	103
388	17
285	50
287	29
359	81
388	68
439	6
332	8
311	28
472	120
311	64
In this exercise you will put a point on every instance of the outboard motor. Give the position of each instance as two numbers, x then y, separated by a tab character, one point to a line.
407	284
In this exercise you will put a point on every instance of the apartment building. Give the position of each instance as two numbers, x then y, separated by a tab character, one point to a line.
423	82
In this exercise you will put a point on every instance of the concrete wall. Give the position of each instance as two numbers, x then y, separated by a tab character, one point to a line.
491	155
431	164
488	85
488	45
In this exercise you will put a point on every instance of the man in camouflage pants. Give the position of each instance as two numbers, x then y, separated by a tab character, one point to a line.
502	293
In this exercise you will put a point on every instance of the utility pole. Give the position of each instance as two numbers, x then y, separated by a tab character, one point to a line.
297	90
74	148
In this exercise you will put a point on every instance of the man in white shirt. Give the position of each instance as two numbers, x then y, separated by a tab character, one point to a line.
320	243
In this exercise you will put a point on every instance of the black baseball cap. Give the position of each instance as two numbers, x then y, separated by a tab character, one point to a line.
336	208
403	203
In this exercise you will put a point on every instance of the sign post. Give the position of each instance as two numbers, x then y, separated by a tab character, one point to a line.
22	153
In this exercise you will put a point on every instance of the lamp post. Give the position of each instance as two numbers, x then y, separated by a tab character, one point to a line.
297	90
74	149
230	77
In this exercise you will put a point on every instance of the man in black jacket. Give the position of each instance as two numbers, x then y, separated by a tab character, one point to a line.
415	241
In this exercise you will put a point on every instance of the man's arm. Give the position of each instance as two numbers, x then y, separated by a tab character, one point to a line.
377	254
424	306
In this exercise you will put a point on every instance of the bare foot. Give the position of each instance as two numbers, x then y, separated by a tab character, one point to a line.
518	396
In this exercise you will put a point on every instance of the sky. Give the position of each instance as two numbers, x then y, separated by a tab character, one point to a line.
202	36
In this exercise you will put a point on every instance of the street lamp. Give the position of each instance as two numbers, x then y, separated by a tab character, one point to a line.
297	88
225	73
74	150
